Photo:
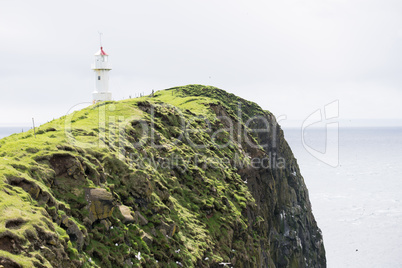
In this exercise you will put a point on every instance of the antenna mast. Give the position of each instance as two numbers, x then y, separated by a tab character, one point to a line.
100	38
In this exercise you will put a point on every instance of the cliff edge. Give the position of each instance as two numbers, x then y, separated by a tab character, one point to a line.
190	176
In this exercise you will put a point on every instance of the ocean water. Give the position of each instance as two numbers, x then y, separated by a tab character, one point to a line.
7	131
358	204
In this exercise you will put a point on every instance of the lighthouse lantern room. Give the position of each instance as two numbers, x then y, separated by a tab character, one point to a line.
101	68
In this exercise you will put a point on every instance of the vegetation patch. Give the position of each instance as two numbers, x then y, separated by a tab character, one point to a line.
148	182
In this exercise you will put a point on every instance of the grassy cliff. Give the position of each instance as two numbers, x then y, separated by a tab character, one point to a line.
190	177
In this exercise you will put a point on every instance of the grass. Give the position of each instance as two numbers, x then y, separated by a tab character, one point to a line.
16	205
106	141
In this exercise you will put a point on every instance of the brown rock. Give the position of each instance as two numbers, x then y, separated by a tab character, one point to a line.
140	219
100	203
73	231
168	229
106	223
5	262
148	239
127	217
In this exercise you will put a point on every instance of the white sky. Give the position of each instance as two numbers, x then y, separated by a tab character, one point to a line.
291	57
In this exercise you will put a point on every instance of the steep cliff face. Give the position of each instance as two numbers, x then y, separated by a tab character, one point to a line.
190	177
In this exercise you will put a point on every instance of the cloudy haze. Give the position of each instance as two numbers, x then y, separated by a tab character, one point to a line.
291	57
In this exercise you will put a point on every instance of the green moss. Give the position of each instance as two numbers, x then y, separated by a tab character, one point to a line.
195	205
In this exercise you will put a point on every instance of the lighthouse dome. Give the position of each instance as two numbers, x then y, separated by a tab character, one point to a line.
101	52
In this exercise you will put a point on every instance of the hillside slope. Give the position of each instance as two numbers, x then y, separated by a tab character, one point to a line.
190	177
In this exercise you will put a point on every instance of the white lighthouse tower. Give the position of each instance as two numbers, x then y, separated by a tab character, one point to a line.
101	68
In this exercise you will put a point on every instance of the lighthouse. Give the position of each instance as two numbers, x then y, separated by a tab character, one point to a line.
101	68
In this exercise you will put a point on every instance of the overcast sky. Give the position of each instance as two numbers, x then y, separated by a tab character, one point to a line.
292	57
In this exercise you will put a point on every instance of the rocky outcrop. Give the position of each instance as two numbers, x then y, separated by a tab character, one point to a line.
6	262
185	178
283	213
73	231
126	213
100	204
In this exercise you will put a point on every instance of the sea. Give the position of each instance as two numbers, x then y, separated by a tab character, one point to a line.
7	131
354	180
357	202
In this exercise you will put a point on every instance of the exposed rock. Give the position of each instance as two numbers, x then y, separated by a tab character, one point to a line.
73	231
10	242
126	212
50	255
140	219
7	263
66	165
29	186
168	229
15	223
147	239
187	192
106	224
100	203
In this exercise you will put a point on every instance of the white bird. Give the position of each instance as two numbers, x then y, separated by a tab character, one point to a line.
177	251
111	227
138	256
224	263
179	263
245	181
206	258
116	244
